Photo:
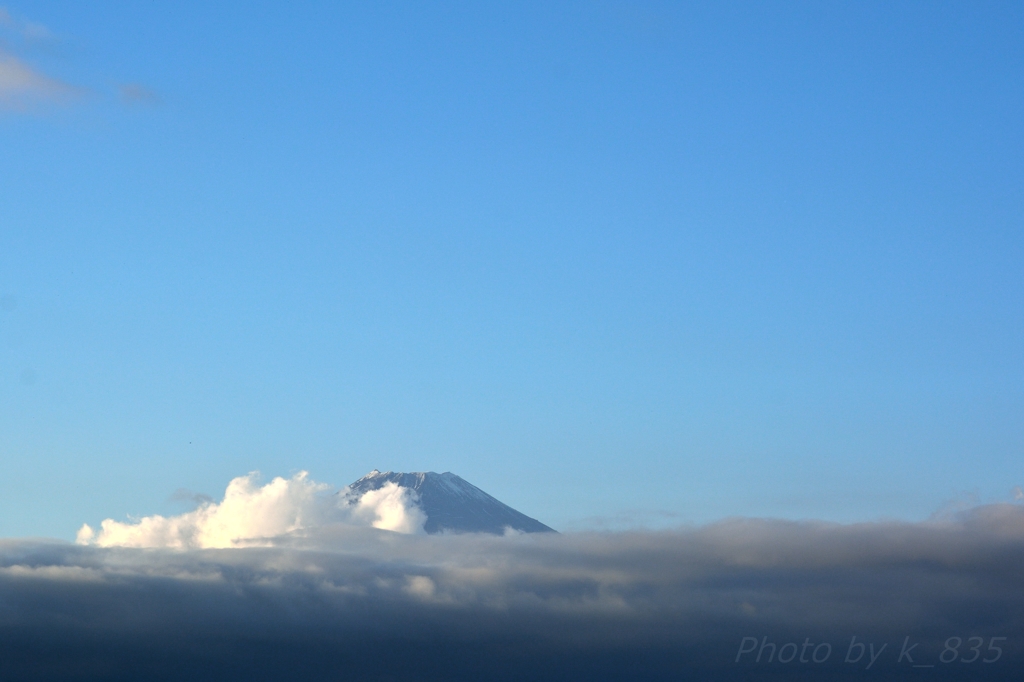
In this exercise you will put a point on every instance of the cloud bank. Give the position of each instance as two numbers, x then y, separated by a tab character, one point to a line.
251	515
341	600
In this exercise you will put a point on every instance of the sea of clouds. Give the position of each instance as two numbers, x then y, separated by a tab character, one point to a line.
289	581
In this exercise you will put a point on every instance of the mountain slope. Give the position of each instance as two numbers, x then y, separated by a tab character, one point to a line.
452	504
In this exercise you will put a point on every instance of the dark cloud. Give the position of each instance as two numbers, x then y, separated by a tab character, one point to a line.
344	602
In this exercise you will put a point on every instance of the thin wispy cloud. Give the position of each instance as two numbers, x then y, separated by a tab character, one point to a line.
135	93
23	87
29	31
34	32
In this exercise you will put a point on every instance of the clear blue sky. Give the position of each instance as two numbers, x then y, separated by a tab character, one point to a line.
660	262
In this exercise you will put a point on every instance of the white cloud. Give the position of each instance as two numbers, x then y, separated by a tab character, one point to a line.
391	508
250	515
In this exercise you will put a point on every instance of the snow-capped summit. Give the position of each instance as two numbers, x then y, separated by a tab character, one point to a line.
452	504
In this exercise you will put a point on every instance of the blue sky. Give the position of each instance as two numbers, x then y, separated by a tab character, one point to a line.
614	264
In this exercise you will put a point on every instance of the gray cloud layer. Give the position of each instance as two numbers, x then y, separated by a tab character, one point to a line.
342	602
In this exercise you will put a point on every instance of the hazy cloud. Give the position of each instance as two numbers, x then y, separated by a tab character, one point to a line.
23	29
189	497
36	32
22	87
134	93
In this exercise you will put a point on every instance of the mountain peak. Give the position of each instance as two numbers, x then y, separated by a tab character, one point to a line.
452	504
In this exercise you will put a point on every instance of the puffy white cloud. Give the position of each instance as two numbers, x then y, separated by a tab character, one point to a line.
251	514
391	507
